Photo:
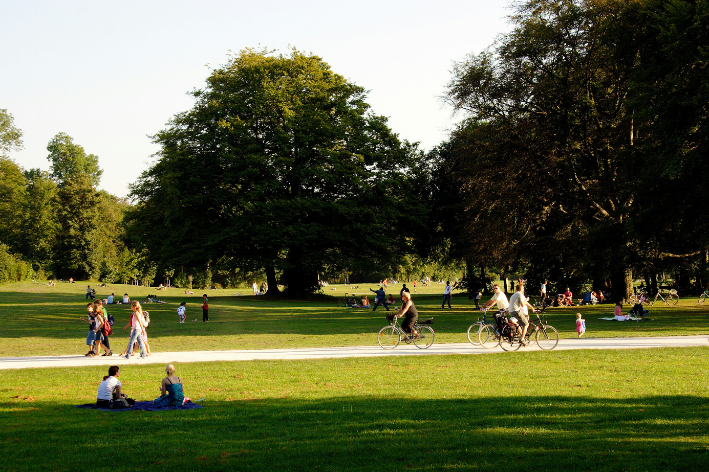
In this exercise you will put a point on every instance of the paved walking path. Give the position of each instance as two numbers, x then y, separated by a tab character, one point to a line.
337	352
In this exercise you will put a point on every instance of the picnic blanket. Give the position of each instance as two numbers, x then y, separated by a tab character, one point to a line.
143	406
632	318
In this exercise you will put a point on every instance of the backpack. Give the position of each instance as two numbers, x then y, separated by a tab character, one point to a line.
107	330
109	318
146	318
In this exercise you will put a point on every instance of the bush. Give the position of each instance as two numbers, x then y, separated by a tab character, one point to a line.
13	269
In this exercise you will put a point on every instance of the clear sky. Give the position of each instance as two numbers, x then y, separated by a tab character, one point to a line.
110	74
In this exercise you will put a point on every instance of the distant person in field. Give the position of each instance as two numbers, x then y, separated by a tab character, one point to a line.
404	288
111	299
447	295
364	302
380	299
181	311
205	308
126	298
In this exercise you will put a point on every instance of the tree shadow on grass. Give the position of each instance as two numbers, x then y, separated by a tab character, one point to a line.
667	433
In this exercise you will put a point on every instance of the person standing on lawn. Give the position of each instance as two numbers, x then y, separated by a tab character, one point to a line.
447	295
205	308
380	298
181	311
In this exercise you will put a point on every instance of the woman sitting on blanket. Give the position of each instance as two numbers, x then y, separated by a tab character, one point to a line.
171	389
109	392
618	314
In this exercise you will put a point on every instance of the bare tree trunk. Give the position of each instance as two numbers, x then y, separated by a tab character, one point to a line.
271	282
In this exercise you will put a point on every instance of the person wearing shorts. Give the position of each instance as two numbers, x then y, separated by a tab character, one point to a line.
519	307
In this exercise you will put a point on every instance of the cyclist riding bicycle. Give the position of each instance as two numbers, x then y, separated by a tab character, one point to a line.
498	297
410	314
519	307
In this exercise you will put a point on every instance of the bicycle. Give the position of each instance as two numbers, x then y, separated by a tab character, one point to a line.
474	329
702	297
488	334
391	335
546	336
639	297
671	298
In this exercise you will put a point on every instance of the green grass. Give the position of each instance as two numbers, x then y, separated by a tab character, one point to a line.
585	410
40	320
638	410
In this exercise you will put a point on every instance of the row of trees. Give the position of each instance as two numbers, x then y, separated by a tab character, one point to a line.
579	158
56	223
582	155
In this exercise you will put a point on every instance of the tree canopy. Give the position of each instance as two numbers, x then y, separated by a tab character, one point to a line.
279	165
69	161
580	124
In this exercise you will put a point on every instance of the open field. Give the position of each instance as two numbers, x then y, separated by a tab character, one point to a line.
638	410
40	320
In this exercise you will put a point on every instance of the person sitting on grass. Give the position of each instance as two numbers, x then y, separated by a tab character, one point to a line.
618	313
364	301
568	297
109	392
171	389
126	298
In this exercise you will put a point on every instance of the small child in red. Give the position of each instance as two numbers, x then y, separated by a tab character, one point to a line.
580	325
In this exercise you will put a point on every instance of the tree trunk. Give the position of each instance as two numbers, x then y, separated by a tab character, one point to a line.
272	282
622	284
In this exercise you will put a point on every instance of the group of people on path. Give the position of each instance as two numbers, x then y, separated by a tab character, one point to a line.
110	394
100	328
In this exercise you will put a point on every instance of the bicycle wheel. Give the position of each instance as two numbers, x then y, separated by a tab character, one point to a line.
425	337
510	343
473	330
547	337
389	337
672	299
488	337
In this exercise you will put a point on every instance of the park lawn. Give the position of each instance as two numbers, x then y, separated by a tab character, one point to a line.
639	410
40	320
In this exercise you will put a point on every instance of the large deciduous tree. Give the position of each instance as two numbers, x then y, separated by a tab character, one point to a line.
558	151
10	135
278	166
69	161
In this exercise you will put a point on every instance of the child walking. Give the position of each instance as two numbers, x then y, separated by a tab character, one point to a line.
580	325
181	311
205	308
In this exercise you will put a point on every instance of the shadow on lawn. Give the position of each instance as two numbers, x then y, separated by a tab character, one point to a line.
365	433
